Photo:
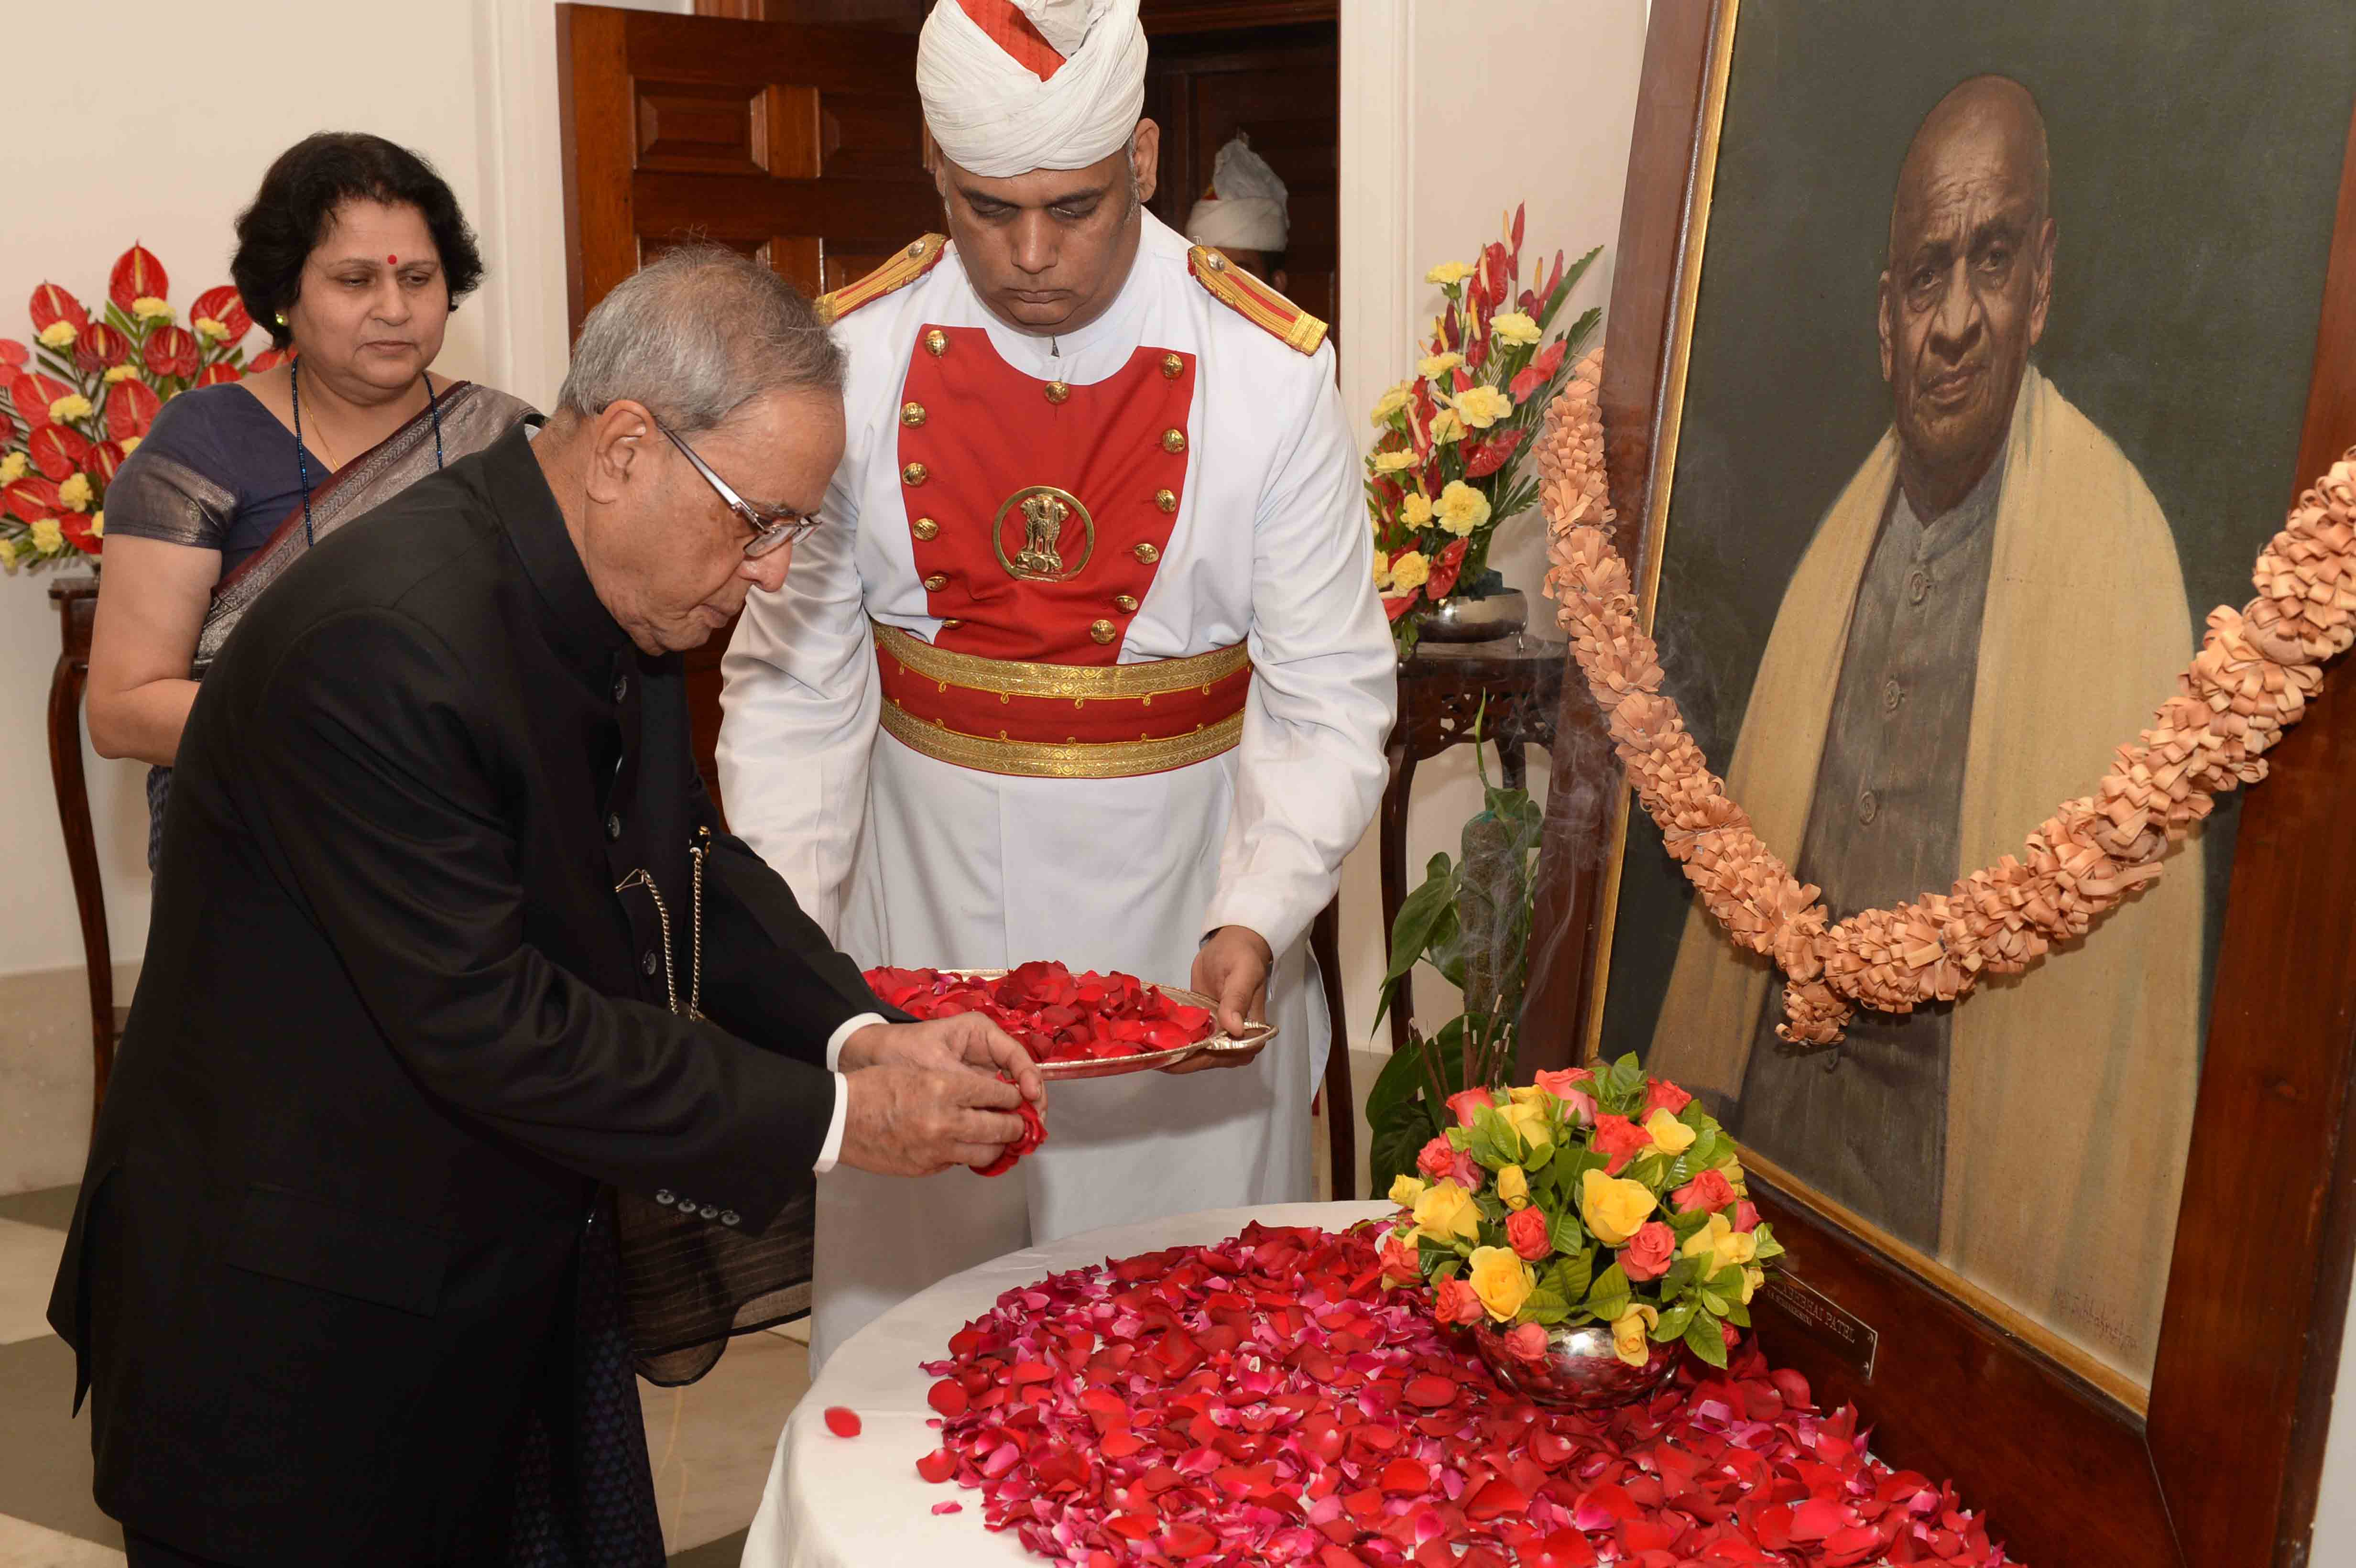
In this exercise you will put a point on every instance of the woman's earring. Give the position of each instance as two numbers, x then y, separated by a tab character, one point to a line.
279	318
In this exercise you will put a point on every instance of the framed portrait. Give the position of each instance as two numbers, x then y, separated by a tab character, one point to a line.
1961	359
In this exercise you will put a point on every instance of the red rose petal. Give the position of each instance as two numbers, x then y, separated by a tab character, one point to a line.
949	1397
948	1508
937	1466
841	1421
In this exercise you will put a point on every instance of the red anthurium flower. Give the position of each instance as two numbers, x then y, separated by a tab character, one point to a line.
219	375
31	497
268	360
172	352
1526	380
52	304
225	305
137	275
1396	605
1446	567
1483	458
101	347
104	460
34	394
130	408
56	451
14	356
75	525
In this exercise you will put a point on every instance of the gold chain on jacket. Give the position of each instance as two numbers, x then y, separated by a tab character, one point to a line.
640	879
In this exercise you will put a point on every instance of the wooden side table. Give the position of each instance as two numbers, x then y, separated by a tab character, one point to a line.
76	601
1442	686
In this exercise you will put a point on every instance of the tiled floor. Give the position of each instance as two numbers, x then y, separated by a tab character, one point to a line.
710	1442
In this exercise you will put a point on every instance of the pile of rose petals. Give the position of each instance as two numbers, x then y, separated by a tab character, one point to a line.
1058	1015
1266	1399
1034	1133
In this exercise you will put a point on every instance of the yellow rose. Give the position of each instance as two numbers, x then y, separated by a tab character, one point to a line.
1416	510
1446	427
130	444
1447	1213
1529	1120
1514	1187
118	374
1514	326
1481	407
1462	508
75	492
147	307
58	335
1388	404
1629	1334
48	538
1394	462
12	468
1439	364
1410	570
1612	1206
1670	1135
1404	1190
73	406
1449	273
1720	1244
1731	1168
1501	1279
209	329
1754	1276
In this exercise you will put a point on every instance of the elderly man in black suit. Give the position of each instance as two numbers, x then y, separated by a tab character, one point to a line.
450	970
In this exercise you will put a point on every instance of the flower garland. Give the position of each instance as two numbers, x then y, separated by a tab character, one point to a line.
2249	683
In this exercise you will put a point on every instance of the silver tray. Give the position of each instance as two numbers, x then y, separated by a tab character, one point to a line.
1253	1037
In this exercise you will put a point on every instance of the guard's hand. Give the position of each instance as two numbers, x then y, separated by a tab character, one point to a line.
1232	970
913	1121
967	1039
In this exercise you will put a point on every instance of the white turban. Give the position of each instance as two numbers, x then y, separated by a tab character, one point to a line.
1011	86
1245	210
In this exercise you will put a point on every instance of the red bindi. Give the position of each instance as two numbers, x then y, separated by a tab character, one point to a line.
392	260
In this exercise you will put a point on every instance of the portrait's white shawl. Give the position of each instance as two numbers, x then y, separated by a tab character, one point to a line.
2070	1087
1245	210
1010	86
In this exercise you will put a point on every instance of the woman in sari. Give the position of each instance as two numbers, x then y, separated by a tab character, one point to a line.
353	255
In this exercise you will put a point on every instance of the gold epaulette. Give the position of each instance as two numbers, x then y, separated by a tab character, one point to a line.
1255	301
911	262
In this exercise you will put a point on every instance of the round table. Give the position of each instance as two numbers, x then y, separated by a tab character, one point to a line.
858	1502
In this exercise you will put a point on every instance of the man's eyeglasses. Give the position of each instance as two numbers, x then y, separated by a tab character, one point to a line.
771	530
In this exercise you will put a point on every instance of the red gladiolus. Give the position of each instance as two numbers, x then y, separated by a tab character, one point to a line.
56	451
219	375
1525	381
137	275
75	527
52	304
103	462
1445	568
172	352
226	305
1621	1140
31	498
101	347
130	408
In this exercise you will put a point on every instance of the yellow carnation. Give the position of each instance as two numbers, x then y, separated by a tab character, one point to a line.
1392	400
1670	1135
75	492
98	525
1462	508
1435	366
73	406
1404	1190
1383	585
1630	1335
1416	510
209	329
1449	273
130	444
58	335
1394	462
8	556
1447	1213
1446	426
1410	570
1481	407
1720	1244
1613	1207
48	538
120	373
1514	326
1514	1187
12	468
1501	1279
147	307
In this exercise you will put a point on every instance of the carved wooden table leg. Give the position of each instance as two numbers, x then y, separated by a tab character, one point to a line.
76	602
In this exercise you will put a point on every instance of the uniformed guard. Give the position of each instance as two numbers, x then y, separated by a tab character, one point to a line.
1096	567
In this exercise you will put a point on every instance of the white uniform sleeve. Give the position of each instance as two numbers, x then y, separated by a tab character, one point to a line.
1325	685
799	705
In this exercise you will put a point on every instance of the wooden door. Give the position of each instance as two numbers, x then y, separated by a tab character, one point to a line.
800	146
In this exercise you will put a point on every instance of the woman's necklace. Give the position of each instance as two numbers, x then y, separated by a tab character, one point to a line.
302	460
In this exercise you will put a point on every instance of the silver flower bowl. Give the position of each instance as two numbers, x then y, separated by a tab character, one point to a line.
1455	620
1579	1371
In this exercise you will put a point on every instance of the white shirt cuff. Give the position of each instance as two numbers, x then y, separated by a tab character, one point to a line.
842	1032
831	1150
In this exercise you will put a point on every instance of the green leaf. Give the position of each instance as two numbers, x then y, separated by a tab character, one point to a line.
1491	1207
1395	1139
1738	1314
1673	1322
1688	1225
1704	1339
1572	1274
1713	1303
1539	1158
1542	1299
1448	1270
1419	914
1398	1081
1612	1281
1568	1236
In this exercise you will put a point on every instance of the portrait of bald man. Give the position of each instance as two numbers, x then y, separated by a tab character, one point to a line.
1971	629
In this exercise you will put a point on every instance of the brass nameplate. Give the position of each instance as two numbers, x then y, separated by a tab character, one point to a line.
1840	1330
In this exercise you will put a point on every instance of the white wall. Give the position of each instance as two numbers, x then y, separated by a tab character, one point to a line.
1445	124
2334	1543
469	83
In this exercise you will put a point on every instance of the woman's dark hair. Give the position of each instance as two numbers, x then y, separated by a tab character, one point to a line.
298	199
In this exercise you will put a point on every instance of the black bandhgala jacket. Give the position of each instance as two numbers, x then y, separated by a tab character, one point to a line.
396	1030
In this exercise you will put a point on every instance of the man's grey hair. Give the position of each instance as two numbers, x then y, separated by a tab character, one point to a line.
697	335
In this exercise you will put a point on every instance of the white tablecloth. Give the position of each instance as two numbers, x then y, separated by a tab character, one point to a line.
835	1503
